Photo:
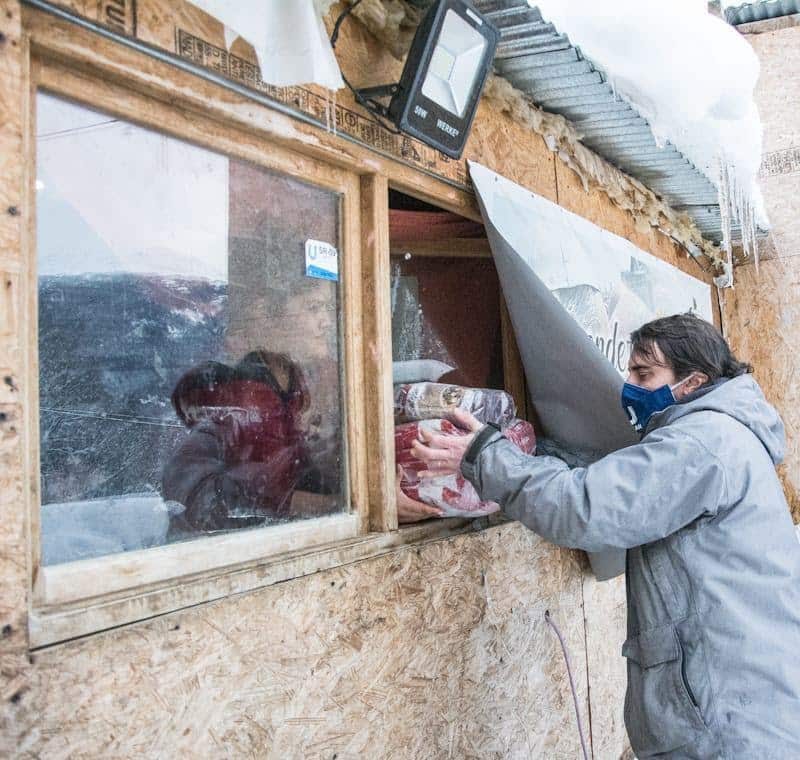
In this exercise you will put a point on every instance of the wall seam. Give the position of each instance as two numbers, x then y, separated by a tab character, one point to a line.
555	180
586	655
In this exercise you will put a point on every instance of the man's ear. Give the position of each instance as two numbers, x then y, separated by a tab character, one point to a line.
695	382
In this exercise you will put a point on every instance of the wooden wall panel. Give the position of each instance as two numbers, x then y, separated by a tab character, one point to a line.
434	652
777	95
14	219
762	316
605	616
762	321
497	141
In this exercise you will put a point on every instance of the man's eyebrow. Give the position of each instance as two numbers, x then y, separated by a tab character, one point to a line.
635	367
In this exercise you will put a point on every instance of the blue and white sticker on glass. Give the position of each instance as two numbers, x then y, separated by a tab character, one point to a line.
322	260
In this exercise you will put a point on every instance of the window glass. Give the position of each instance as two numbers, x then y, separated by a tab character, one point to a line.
189	367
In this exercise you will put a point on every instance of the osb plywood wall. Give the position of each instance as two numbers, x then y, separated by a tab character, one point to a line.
762	316
437	651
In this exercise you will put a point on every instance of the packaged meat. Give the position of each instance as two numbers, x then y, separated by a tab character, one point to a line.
425	401
453	494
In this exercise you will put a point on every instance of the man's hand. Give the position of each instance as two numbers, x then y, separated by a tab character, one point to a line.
443	453
409	510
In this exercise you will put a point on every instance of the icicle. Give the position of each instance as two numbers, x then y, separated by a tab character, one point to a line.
752	233
327	110
659	138
725	280
736	207
748	225
330	111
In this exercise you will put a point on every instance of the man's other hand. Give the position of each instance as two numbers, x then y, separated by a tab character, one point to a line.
410	510
442	454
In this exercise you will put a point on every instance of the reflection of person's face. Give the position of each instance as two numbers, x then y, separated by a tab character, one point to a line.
651	372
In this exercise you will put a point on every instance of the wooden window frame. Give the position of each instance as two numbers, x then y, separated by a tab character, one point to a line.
58	586
71	62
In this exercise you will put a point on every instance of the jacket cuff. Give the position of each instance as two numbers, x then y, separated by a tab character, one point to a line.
487	435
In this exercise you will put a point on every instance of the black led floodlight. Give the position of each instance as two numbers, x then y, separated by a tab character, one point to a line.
442	80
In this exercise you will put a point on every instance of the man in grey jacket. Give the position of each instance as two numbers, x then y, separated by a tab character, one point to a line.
713	562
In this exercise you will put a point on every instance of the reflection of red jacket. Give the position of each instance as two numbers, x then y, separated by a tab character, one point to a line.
245	450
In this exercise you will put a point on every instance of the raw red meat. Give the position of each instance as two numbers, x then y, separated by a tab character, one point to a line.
453	494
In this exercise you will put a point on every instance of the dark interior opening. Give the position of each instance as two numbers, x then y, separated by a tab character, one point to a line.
445	306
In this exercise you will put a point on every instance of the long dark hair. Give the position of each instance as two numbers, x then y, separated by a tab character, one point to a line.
689	344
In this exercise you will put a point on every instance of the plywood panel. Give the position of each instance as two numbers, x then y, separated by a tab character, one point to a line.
496	138
777	96
762	322
14	219
761	316
441	651
604	609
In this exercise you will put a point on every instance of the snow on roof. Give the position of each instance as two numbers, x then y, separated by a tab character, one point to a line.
543	64
691	76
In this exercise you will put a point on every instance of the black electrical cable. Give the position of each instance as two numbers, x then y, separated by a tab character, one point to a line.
360	99
571	682
342	16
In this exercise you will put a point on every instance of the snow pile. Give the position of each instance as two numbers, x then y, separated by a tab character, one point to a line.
691	76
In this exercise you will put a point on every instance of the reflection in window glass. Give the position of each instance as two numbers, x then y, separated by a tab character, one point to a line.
189	369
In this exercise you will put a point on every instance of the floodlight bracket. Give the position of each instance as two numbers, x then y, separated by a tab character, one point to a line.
367	96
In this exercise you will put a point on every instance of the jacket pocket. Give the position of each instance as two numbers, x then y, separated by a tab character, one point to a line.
661	714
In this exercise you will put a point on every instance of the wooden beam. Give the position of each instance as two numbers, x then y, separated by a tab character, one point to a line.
461	248
378	353
513	372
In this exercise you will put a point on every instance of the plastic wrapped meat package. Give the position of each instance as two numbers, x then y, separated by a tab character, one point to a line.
453	494
426	401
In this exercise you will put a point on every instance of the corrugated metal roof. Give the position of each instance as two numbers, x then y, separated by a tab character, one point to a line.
537	59
761	10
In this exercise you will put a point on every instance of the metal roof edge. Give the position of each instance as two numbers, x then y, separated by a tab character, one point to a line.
540	61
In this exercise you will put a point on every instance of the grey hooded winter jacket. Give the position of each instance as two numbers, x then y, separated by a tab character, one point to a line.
713	568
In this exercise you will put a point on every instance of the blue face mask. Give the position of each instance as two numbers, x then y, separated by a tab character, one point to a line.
640	404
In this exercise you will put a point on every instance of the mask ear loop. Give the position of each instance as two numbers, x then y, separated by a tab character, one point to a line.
681	382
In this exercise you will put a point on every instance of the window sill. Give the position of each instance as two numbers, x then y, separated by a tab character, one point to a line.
84	580
53	623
